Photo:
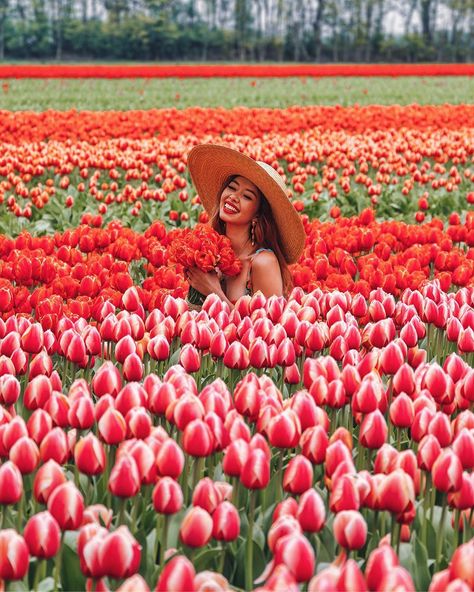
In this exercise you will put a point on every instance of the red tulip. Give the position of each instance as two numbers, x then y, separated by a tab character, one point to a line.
236	356
139	423
107	380
25	454
48	477
281	578
350	529
37	392
177	576
391	358
396	492
170	459
380	562
337	453
397	578
190	358
14	555
196	527
225	522
89	541
38	425
401	411
119	554
326	580
89	455
344	494
66	505
284	430
42	535
97	514
55	446
124	480
298	475
32	339
9	389
81	413
463	498
167	496
255	472
311	511
440	427
134	583
112	427
373	430
351	578
463	447
11	484
462	562
206	495
428	451
186	409
447	471
440	581
198	439
314	442
295	551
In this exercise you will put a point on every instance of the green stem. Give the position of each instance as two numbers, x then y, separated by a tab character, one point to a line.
121	514
439	541
20	512
39	569
249	550
197	469
164	541
57	569
220	568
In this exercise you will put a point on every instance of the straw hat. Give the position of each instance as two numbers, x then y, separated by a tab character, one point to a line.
211	165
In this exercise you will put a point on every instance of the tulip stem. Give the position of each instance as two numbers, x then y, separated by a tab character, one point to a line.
20	512
220	568
38	573
121	514
164	540
249	557
198	461
439	545
456	529
426	500
57	570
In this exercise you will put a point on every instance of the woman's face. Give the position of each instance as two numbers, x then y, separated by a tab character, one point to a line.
240	201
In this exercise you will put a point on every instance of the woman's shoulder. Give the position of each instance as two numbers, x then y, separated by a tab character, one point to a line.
263	258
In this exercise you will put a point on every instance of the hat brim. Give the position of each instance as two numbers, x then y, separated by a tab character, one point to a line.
210	165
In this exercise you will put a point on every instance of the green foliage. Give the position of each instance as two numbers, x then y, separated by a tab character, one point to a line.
123	94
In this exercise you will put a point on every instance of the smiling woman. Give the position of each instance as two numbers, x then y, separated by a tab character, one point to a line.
247	201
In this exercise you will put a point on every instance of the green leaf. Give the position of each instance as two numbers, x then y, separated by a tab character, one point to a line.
72	577
420	565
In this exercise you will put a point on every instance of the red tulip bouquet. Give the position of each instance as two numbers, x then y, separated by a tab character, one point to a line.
204	248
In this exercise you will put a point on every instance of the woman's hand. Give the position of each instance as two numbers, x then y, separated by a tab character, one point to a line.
206	283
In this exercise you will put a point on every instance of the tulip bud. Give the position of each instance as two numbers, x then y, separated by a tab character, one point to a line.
124	480
373	430
9	390
167	496
351	578
462	562
463	447
447	471
428	451
177	576
314	442
397	578
89	455
119	554
298	475
54	446
42	535
225	522
396	492
256	470
198	439
344	495
311	512
47	478
350	529
196	527
11	484
380	561
14	555
284	430
401	411
206	495
170	459
295	551
112	427
66	505
25	454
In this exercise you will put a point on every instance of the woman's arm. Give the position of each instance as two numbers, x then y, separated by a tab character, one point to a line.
207	283
266	274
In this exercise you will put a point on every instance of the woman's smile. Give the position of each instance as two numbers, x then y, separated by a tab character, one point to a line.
240	200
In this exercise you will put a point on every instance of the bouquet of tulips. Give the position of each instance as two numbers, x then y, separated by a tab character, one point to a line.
204	248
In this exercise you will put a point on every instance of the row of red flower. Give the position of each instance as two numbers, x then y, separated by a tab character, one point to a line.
28	126
236	70
76	271
382	387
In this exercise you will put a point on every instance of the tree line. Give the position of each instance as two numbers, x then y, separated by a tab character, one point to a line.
243	30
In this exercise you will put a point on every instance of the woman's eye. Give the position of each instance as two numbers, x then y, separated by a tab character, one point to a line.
248	197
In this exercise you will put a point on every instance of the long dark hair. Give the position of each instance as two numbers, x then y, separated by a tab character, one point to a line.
265	231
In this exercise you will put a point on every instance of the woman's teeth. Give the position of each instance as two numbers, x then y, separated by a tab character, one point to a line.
230	209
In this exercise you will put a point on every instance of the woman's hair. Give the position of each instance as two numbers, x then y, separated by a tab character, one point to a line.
265	234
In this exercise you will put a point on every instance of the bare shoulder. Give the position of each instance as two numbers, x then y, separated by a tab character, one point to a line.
265	261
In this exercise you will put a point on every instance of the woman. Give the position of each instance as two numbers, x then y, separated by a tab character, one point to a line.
247	201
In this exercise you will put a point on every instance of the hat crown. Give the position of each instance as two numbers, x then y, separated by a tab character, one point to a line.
274	174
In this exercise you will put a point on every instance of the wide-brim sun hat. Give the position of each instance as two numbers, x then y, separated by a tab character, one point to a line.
211	165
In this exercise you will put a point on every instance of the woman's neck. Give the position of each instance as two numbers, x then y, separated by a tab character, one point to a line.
239	239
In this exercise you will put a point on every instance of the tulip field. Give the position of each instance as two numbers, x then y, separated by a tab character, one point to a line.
320	442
